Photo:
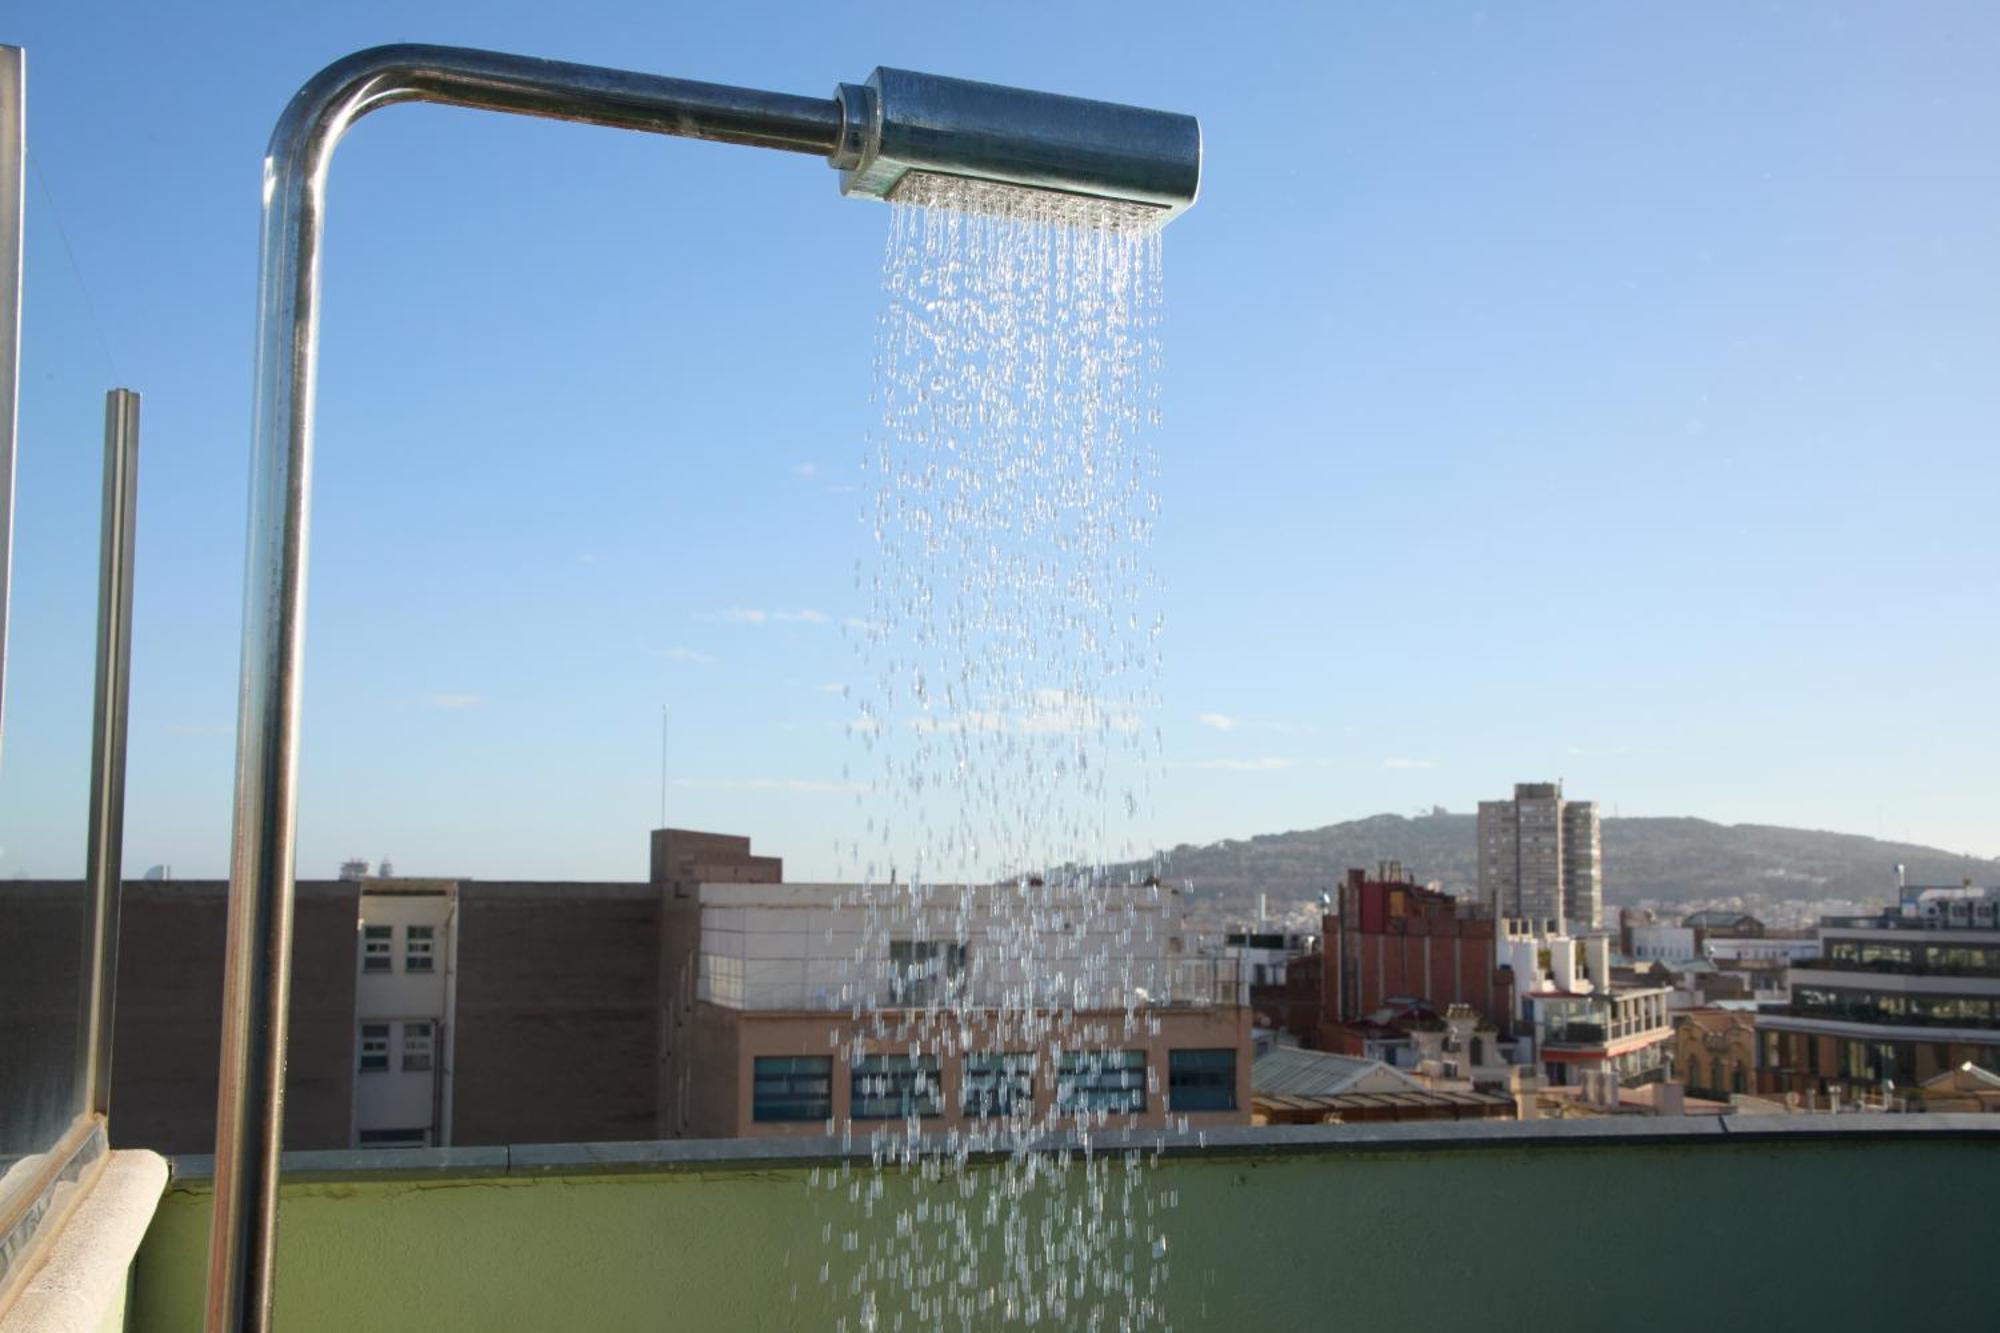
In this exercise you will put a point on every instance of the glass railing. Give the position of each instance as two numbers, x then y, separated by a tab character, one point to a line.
64	624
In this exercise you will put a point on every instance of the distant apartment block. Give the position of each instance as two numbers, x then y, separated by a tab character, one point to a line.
1541	857
1891	1002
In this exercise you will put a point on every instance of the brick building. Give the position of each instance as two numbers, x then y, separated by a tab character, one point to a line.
469	1012
1394	939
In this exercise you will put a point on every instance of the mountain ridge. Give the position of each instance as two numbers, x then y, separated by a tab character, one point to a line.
1669	859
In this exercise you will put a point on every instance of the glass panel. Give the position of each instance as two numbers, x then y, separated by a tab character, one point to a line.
1201	1080
791	1087
1101	1081
893	1086
50	673
997	1085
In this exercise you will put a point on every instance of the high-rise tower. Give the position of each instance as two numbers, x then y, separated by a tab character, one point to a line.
1542	857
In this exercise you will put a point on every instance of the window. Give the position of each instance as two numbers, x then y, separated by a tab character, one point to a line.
998	1085
1101	1081
888	1087
1201	1080
417	948
419	1040
374	1048
791	1087
921	971
376	942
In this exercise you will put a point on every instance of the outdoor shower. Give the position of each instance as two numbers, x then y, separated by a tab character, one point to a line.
897	128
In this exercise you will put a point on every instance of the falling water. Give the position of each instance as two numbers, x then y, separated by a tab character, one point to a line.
1012	667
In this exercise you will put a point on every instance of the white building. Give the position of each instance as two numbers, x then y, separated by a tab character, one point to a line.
404	1001
1579	1021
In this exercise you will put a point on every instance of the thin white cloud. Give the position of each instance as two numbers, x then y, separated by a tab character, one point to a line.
682	653
832	687
755	615
1269	764
764	784
1220	721
806	471
1409	763
453	702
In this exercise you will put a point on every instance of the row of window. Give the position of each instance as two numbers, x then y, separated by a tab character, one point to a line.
894	1087
378	948
419	1050
1946	959
1861	1006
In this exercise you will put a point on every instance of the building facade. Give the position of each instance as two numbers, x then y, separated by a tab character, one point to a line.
1541	857
797	1007
1395	940
1581	1022
1715	1053
439	1012
1892	1001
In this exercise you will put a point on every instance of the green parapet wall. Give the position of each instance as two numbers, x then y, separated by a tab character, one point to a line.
1476	1227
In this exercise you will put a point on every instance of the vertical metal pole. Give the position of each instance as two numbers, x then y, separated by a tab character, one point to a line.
13	166
105	858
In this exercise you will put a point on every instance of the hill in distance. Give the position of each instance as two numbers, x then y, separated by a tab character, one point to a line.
1660	859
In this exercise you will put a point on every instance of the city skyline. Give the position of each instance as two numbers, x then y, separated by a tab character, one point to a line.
1710	367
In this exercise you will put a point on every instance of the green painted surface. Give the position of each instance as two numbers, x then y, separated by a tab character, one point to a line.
1733	1234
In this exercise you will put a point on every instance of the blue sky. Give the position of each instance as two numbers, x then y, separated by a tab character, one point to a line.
1551	392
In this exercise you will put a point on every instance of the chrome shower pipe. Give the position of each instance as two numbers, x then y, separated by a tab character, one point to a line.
874	135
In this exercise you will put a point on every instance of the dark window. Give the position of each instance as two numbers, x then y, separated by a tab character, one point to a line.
417	948
1101	1081
998	1085
374	1048
791	1087
419	1043
393	1138
891	1087
921	972
1201	1080
376	942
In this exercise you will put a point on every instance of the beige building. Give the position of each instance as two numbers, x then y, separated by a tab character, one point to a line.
1541	857
797	1006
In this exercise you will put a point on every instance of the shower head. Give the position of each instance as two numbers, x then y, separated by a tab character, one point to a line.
901	132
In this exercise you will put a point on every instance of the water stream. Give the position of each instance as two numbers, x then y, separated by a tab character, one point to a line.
1005	731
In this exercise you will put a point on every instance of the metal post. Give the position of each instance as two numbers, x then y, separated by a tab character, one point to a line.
105	857
13	166
257	962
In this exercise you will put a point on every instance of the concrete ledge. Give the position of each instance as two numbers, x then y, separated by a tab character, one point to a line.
1245	1142
80	1286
